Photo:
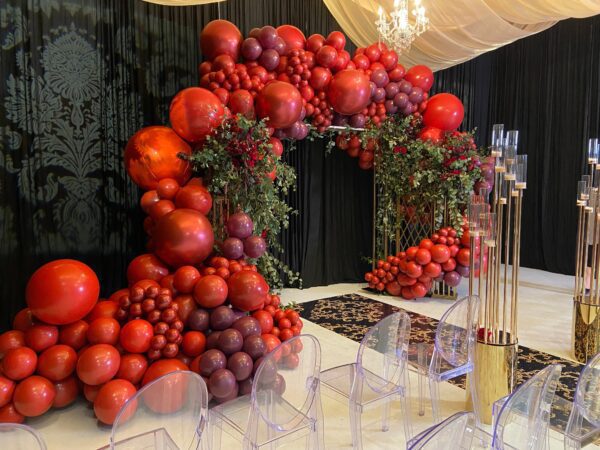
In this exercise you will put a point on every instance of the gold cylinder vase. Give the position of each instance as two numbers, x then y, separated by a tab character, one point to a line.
495	374
586	330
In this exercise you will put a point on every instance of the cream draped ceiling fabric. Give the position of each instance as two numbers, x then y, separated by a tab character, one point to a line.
460	30
183	2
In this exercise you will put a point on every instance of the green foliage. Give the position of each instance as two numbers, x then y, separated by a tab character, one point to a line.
235	162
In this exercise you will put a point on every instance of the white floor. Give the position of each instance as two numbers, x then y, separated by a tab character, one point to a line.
544	324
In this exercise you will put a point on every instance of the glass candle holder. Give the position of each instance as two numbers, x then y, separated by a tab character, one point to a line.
593	151
499	165
488	229
521	181
475	210
512	138
583	193
510	154
497	140
587	179
502	189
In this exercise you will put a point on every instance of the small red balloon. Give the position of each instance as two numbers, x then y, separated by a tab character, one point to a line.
281	103
146	267
162	367
194	197
247	290
420	76
241	102
34	396
67	391
110	399
132	368
57	362
98	364
210	291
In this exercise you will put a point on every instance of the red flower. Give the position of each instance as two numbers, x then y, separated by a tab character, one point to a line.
400	149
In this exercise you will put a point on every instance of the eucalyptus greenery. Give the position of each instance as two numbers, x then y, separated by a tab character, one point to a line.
235	163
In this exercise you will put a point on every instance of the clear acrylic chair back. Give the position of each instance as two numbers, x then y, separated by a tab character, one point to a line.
15	436
383	352
169	412
523	420
454	433
457	331
587	395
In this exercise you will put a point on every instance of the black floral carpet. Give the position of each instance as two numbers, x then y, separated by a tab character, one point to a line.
352	315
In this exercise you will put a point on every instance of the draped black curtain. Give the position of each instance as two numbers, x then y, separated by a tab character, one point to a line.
79	77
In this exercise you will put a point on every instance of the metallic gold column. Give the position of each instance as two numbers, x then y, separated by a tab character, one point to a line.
586	330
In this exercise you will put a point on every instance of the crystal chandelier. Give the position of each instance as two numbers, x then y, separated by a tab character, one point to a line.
398	34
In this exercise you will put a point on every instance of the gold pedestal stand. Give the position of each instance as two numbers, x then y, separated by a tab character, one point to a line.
495	376
586	330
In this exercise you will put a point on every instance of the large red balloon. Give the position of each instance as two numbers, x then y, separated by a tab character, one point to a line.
444	111
152	154
183	237
349	92
98	364
111	398
280	102
247	290
194	113
292	36
146	267
34	396
420	76
162	367
62	291
241	102
220	37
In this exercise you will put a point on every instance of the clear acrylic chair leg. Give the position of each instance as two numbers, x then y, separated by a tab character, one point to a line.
385	420
434	389
421	374
215	432
406	416
356	425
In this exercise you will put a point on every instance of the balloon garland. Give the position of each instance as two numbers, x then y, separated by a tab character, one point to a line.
197	300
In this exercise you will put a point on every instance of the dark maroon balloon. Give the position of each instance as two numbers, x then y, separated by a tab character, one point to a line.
240	225
212	341
482	185
222	383
221	318
231	341
339	120
241	365
210	361
302	131
269	59
372	86
391	90
248	326
487	172
405	87
280	46
255	347
255	246
452	279
279	384
229	397
238	314
378	95
233	248
268	373
390	108
251	49
358	121
416	95
463	271
401	100
407	110
380	78
267	37
246	386
254	32
199	320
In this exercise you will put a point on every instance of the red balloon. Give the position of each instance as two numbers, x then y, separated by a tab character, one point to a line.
320	77
183	237
326	56
440	253
11	339
62	291
241	102
146	267
210	291
74	334
67	391
393	288
194	113
34	396
8	414
194	343
111	398
185	279
98	364
136	336
132	368
432	134
104	330
40	337
220	37
292	36
247	290
420	76
444	111
19	363
337	40
57	362
349	92
162	367
152	155
280	102
107	308
7	387
24	320
315	42
186	305
194	197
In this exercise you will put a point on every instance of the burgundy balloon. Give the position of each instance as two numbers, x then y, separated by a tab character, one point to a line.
231	341
238	314
210	361
390	108
452	279
221	318
302	131
463	271
231	396
378	95
199	320
251	49
240	225
212	341
269	59
405	87
372	86
246	386
358	121
339	120
482	185
254	246
233	248
401	100
241	365
254	32
391	90
279	384
487	172
255	346
248	326
267	37
380	78
221	383
268	369
416	95
407	110
280	46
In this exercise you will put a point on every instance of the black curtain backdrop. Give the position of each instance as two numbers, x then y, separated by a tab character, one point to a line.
79	77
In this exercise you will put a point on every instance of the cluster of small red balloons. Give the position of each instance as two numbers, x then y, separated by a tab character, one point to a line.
411	273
